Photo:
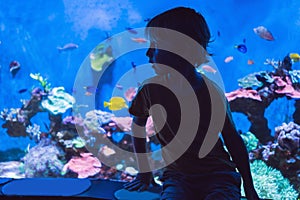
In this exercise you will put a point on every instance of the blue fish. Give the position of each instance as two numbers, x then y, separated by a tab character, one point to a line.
241	48
117	136
154	146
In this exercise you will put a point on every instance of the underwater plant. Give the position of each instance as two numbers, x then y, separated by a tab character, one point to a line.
270	183
44	83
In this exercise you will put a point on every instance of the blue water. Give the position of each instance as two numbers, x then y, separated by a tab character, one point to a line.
31	31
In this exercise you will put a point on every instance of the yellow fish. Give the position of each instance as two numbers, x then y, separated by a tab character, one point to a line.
295	57
116	103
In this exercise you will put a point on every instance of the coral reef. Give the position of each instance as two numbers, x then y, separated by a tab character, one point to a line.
66	148
44	160
12	169
250	141
269	183
58	101
85	165
283	153
259	90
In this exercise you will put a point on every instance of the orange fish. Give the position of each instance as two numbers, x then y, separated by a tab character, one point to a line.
228	59
250	62
139	40
208	69
88	93
263	32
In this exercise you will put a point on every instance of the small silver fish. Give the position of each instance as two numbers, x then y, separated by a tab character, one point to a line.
68	47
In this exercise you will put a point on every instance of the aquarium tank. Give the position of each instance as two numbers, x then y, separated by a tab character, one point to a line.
69	70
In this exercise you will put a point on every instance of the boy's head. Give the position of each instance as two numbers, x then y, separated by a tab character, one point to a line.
184	20
182	31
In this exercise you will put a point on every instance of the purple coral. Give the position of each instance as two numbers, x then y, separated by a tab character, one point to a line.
288	137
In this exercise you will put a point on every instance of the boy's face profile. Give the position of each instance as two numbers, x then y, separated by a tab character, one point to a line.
160	58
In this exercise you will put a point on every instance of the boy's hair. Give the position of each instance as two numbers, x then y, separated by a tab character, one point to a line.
186	21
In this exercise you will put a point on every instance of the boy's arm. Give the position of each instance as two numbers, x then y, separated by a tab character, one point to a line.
239	154
143	179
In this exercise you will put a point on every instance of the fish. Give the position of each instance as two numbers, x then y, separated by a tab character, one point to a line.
264	33
67	47
88	93
219	33
131	30
115	103
133	66
250	62
108	36
295	57
130	93
90	88
14	67
241	48
228	59
147	20
117	136
208	68
22	90
120	87
139	40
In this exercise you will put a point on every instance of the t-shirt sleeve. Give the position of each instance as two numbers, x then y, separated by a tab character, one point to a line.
139	105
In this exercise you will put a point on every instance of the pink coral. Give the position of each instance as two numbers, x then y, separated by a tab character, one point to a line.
124	123
86	165
285	87
243	93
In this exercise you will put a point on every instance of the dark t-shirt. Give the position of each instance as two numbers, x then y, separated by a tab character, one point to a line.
166	98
